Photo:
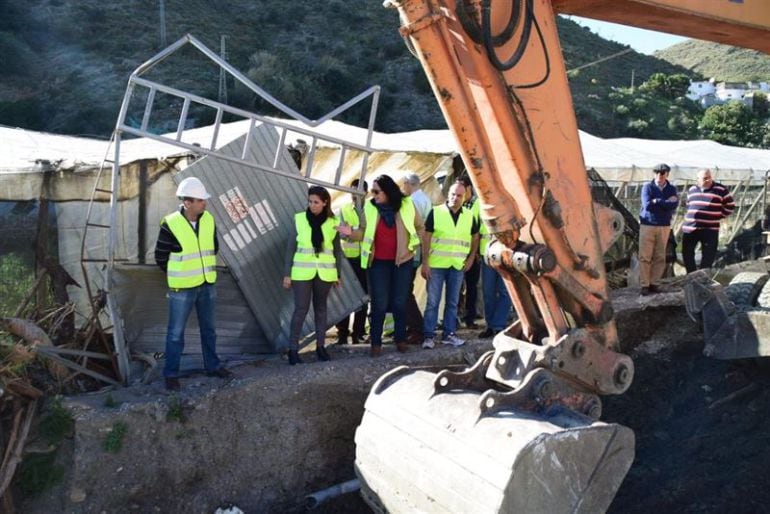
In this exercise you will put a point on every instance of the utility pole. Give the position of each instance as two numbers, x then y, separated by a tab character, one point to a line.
162	24
632	80
222	73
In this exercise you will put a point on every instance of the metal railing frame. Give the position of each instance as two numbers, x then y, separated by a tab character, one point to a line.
136	81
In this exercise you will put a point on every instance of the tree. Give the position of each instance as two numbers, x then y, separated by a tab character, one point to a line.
734	124
667	86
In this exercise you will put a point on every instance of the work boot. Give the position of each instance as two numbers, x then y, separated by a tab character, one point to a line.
322	354
221	373
358	338
654	288
172	384
646	291
375	351
402	346
294	357
486	333
343	339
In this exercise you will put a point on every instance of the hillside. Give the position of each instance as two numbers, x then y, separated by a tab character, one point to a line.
66	62
725	63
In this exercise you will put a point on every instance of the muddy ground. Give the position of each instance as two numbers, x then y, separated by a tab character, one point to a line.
702	432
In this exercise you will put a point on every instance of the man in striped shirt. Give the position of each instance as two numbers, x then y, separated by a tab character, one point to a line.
707	203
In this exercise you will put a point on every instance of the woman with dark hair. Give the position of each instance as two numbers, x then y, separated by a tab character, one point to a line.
312	267
388	245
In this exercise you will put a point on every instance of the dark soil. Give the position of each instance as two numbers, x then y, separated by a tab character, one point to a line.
701	433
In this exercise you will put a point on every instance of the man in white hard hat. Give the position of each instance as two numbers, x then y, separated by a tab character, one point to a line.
186	252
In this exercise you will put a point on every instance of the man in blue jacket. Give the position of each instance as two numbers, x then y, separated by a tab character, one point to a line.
659	201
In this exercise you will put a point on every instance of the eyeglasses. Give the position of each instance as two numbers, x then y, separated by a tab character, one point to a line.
376	191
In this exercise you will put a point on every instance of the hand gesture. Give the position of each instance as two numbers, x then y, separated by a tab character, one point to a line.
344	229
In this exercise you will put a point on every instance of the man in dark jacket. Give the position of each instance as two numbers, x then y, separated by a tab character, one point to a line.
659	201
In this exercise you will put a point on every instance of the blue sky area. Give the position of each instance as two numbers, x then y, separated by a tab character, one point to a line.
643	41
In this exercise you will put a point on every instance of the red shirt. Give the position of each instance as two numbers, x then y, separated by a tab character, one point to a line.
384	242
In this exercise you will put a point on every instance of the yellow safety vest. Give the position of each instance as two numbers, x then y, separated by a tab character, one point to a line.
306	262
372	215
350	248
485	236
197	262
450	243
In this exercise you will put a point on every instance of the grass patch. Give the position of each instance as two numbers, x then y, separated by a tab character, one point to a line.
16	279
38	473
175	412
113	443
57	423
110	402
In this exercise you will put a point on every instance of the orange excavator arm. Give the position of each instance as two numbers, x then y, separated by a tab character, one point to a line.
500	80
743	23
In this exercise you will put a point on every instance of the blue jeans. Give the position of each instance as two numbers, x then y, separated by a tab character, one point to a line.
389	287
497	302
180	303
453	278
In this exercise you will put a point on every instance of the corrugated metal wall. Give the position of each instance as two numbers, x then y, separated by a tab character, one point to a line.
140	291
254	211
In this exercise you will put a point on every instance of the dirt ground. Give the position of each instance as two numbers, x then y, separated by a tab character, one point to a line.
701	427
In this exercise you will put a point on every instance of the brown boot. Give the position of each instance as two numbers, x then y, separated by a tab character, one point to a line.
375	351
402	346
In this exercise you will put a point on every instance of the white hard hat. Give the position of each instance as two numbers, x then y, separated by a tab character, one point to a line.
191	187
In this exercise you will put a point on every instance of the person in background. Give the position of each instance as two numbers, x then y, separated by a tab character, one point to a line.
414	321
352	214
659	202
473	273
450	243
708	203
388	246
312	266
497	301
186	252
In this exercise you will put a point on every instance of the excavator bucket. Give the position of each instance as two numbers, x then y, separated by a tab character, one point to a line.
431	443
735	318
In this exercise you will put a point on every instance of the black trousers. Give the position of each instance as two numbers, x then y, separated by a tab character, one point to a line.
359	317
305	290
472	291
708	239
413	314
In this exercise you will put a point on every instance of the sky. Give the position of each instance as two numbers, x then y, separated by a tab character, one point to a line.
643	41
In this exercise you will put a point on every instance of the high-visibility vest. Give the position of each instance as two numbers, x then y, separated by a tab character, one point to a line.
372	216
306	262
450	243
350	248
484	236
197	261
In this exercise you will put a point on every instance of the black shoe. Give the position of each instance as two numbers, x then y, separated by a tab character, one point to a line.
646	291
359	339
471	324
486	333
221	373
322	354
172	384
344	339
294	357
654	289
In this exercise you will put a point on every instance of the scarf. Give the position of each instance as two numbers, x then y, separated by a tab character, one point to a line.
316	235
387	213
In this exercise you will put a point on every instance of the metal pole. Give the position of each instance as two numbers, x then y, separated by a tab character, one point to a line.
222	73
315	499
162	23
